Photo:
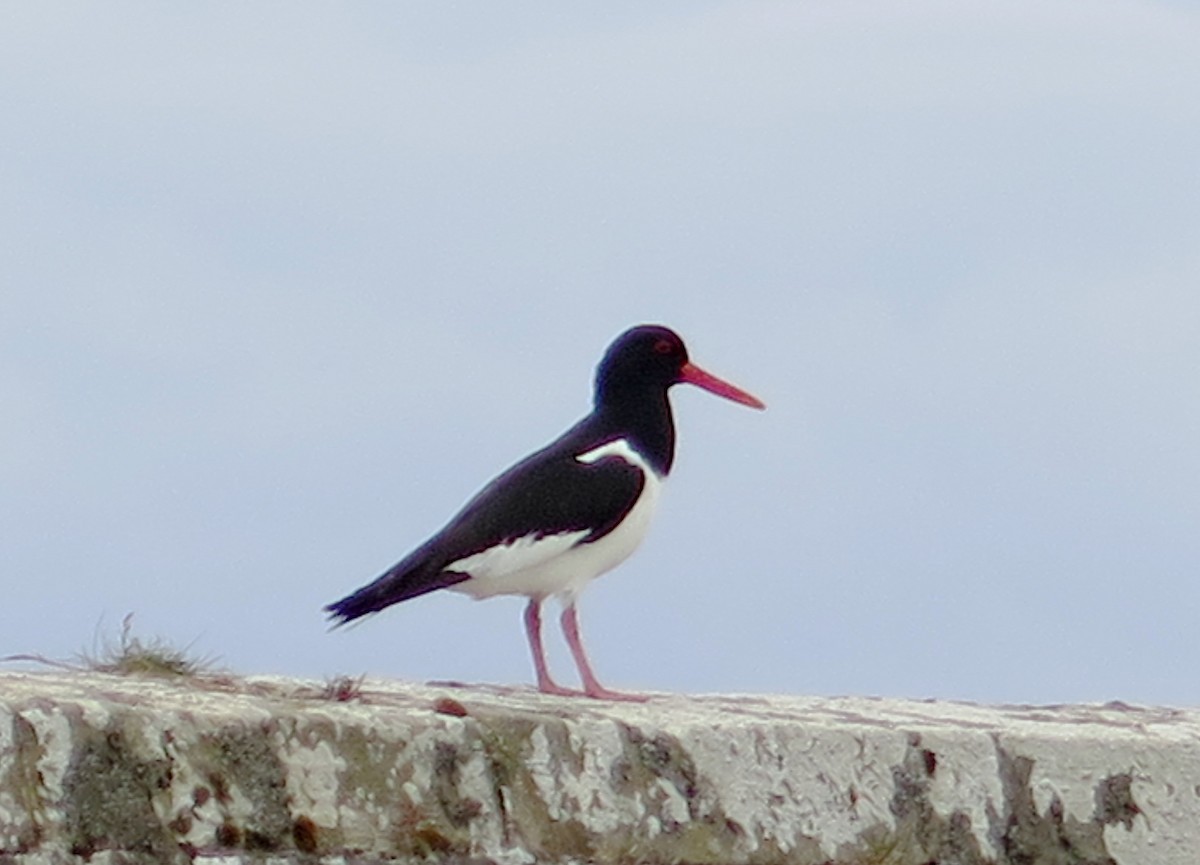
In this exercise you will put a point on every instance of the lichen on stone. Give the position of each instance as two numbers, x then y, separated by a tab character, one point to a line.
109	793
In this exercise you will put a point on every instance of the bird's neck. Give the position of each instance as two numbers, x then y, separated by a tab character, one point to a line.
645	419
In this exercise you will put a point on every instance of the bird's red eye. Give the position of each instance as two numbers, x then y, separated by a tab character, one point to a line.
663	346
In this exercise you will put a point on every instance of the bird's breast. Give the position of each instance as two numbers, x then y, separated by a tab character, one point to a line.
561	564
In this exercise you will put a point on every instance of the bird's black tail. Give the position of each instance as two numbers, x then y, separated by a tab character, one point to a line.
417	575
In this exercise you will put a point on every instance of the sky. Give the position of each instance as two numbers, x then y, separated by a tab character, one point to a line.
285	284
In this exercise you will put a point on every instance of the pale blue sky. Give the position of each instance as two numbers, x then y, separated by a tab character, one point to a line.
284	285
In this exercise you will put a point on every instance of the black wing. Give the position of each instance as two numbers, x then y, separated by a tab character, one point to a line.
549	492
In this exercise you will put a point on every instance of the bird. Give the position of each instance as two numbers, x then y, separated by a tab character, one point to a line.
567	513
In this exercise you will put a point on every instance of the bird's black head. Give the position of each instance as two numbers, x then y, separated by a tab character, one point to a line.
644	358
631	390
645	361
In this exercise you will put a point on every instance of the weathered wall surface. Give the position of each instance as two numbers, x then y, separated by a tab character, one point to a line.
105	769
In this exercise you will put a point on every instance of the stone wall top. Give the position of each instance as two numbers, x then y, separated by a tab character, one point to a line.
213	768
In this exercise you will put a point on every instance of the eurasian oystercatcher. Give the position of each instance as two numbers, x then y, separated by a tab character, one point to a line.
567	513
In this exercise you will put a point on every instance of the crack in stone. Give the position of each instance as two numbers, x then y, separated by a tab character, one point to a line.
1027	837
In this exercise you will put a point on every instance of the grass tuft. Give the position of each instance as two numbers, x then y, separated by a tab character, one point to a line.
131	655
343	689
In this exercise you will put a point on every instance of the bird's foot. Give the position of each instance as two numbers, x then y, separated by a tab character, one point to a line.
599	692
595	691
552	687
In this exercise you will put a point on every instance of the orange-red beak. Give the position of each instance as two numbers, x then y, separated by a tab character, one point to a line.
692	374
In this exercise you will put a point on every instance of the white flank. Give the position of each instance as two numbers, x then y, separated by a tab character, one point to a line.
540	567
526	554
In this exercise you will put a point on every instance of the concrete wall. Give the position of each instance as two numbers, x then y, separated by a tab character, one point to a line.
109	769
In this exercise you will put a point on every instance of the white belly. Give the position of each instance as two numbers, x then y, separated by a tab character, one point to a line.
559	565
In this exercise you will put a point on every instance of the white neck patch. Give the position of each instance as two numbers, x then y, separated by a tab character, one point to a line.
618	448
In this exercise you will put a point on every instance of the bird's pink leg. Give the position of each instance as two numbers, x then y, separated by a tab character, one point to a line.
591	687
533	629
